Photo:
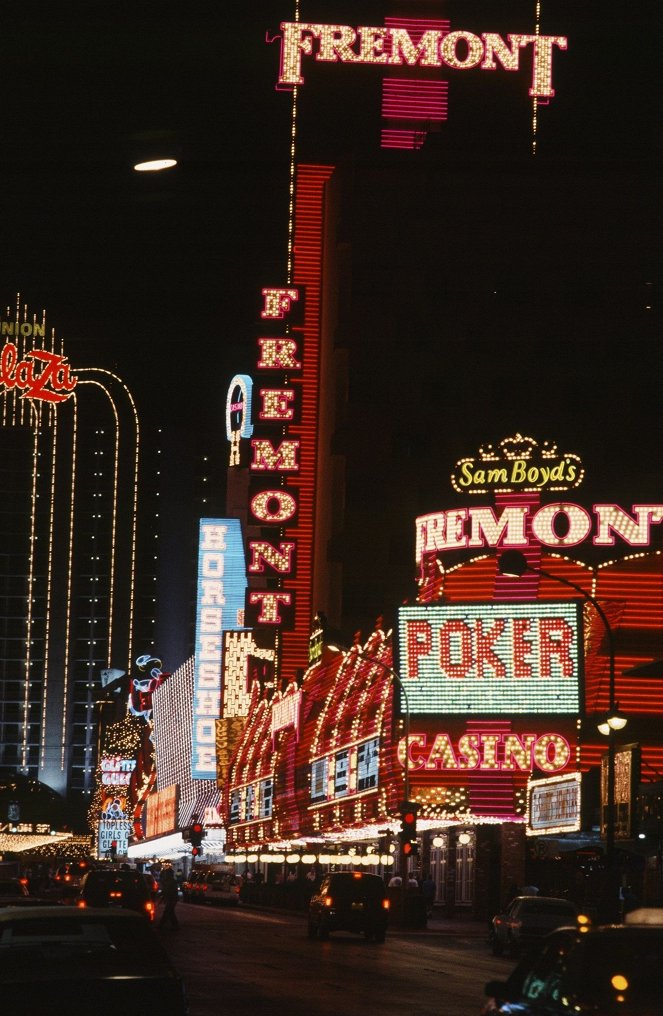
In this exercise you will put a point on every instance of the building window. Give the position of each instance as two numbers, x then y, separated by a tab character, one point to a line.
266	797
319	779
367	764
250	803
341	766
234	806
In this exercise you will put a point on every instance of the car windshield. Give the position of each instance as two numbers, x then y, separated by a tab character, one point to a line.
356	885
112	880
548	907
9	888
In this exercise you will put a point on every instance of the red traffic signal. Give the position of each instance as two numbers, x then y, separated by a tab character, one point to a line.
408	834
196	833
196	851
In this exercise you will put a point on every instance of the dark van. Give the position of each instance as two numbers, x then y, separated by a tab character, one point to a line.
122	890
349	901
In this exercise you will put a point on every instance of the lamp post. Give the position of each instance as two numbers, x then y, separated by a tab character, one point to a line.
513	563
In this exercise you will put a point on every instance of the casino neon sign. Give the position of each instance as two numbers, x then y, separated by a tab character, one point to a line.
485	752
395	47
561	524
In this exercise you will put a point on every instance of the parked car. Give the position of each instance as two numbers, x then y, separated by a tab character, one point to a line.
68	877
193	887
349	901
14	892
527	920
117	888
223	887
599	970
68	961
212	884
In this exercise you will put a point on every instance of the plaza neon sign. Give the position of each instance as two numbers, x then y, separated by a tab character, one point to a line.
491	658
395	47
53	383
485	752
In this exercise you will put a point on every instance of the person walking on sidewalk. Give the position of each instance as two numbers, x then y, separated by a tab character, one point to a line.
428	889
170	896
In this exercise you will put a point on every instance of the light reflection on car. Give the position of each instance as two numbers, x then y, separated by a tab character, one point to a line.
598	970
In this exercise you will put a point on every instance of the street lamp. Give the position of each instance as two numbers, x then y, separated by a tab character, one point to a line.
513	563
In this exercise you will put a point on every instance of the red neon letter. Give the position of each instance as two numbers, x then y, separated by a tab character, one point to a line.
463	640
419	643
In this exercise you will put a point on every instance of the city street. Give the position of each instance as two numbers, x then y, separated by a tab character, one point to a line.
241	961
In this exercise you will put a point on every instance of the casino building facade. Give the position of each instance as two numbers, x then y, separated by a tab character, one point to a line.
489	685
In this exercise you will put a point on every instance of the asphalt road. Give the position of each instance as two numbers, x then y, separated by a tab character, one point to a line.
247	962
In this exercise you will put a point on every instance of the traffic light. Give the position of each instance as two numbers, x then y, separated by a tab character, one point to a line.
408	833
196	834
196	851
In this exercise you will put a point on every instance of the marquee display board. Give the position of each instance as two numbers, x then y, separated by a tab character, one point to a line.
553	805
493	658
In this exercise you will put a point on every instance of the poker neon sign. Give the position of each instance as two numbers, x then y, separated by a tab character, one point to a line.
395	47
491	658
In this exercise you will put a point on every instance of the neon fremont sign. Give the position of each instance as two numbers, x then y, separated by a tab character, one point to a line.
477	751
491	658
275	506
395	47
561	524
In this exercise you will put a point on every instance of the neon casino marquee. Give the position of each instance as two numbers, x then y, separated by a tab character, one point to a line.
561	524
492	658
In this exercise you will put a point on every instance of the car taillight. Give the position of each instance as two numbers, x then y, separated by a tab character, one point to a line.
149	907
23	881
81	903
385	904
115	896
236	889
67	878
329	901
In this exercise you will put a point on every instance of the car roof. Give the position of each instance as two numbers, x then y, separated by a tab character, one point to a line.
544	899
10	915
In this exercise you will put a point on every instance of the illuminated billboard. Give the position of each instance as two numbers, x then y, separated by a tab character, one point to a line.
491	657
553	805
220	608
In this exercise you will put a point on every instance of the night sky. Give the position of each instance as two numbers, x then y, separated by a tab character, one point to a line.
158	276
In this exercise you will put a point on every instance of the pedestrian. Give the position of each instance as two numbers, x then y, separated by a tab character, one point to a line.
169	896
395	882
428	889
